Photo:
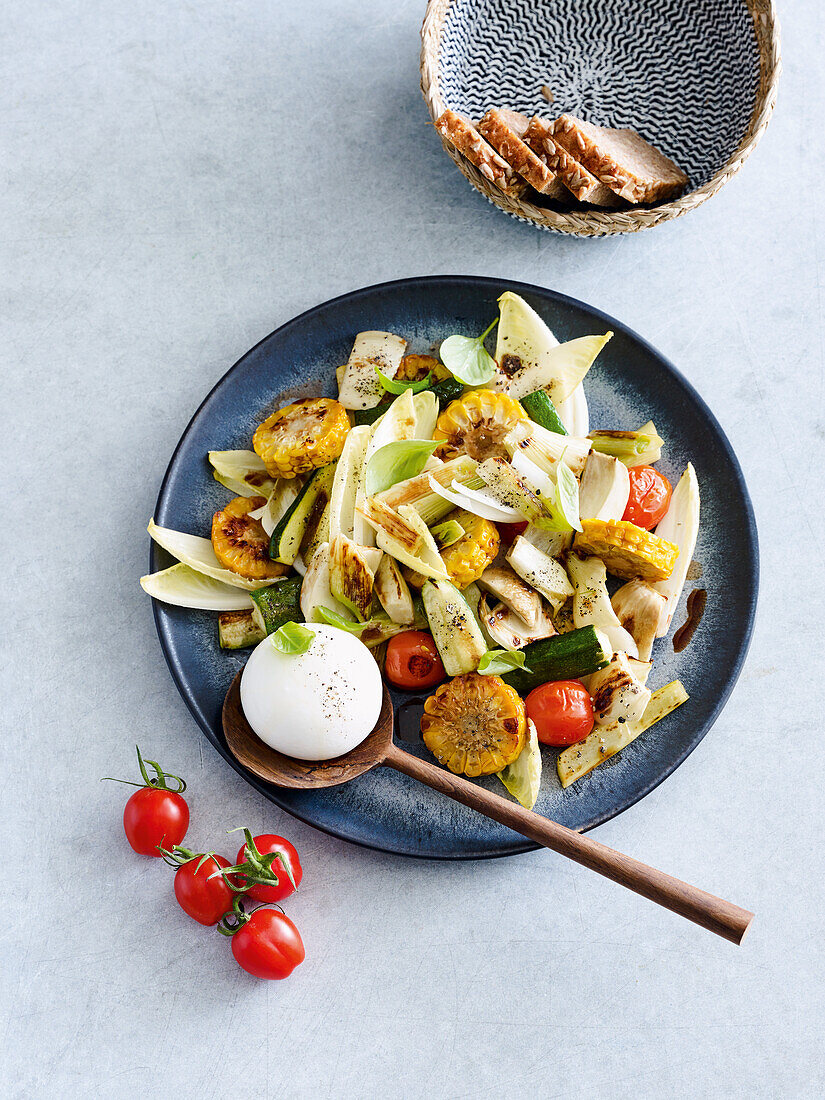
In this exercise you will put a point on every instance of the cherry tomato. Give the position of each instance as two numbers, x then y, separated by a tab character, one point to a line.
265	844
412	661
561	711
268	945
509	532
153	816
204	899
650	494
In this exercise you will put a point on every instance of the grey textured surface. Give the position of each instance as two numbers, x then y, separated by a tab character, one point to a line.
163	212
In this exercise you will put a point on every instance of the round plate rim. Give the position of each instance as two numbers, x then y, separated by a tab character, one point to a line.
488	283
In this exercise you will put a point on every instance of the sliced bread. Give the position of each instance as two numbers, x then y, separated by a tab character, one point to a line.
620	159
504	129
575	177
462	134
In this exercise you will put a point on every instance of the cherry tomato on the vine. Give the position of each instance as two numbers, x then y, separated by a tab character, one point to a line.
412	661
201	897
561	711
264	845
268	945
650	494
155	814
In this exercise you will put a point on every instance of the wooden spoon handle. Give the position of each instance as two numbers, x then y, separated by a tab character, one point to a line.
713	913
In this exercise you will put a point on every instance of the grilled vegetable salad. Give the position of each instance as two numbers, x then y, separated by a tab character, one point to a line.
460	510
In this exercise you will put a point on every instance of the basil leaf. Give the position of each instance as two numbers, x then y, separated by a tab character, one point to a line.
496	662
467	359
292	639
396	462
391	386
567	494
332	618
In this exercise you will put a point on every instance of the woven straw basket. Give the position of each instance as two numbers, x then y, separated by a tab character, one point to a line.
474	50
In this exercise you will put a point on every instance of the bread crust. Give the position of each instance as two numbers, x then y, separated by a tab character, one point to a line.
502	128
621	159
462	134
575	177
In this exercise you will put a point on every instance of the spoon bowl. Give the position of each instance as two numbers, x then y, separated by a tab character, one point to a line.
285	771
718	916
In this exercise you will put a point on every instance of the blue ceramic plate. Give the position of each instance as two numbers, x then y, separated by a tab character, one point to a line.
629	384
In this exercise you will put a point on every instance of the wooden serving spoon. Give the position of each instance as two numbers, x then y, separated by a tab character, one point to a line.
721	917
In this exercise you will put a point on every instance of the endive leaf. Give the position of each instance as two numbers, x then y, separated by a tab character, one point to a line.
184	587
522	778
242	472
197	553
530	357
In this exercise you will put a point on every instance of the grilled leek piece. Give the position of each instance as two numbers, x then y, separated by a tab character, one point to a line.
417	492
639	448
238	630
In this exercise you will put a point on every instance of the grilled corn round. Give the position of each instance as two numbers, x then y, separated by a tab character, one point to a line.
240	542
302	436
474	724
476	424
467	558
627	551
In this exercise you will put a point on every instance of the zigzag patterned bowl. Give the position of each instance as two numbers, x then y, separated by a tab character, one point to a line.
697	79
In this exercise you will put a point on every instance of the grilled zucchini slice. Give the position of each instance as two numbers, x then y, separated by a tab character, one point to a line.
454	627
277	604
307	507
238	630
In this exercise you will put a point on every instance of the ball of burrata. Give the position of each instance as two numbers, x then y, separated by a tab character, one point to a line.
317	705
